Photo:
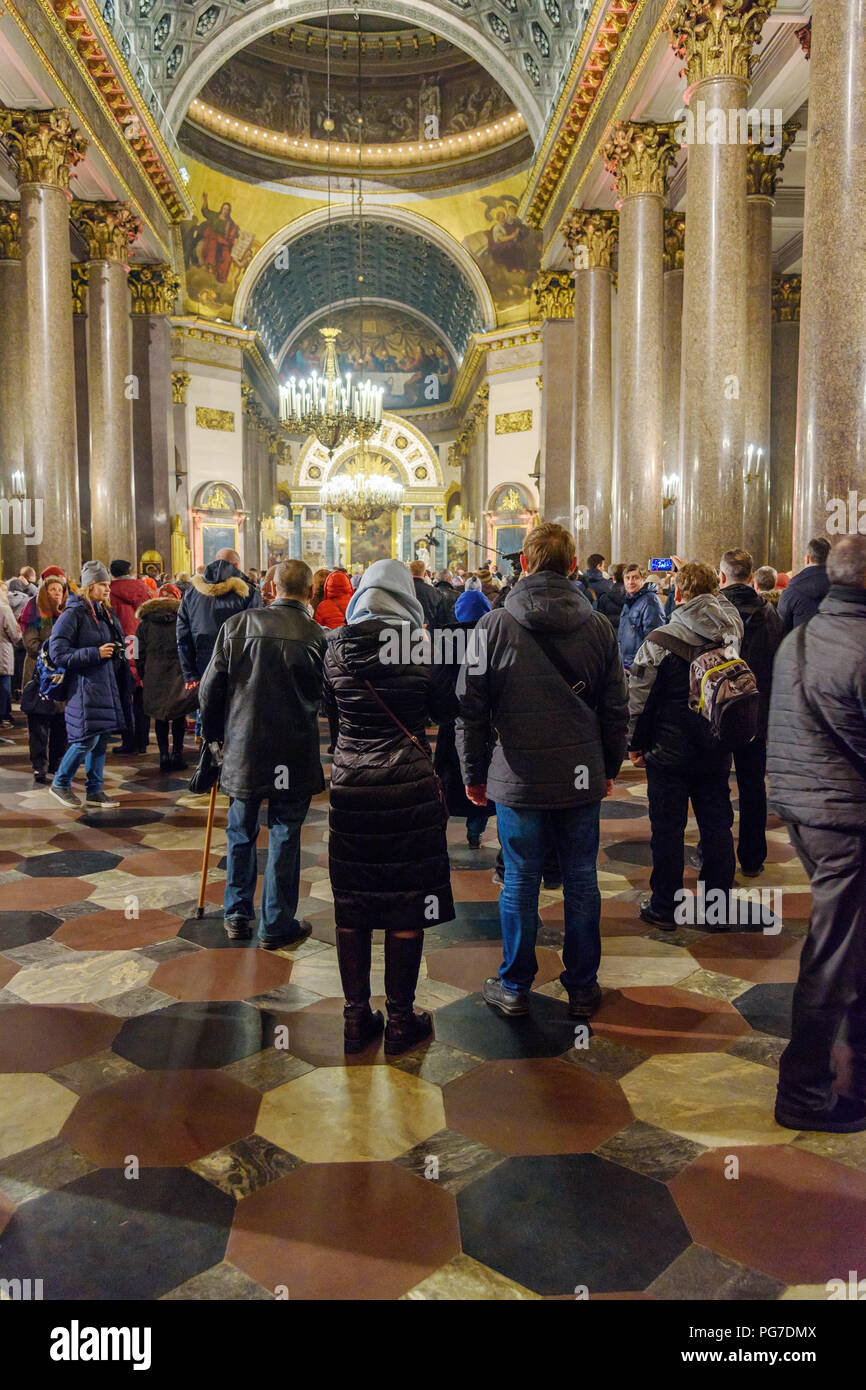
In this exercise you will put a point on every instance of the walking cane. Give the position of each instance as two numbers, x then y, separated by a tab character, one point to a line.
199	912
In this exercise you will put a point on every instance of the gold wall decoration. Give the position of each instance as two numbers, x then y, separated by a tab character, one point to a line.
217	500
43	144
107	228
514	422
207	418
590	235
179	383
154	288
787	290
10	231
553	294
639	154
715	38
763	166
79	287
675	241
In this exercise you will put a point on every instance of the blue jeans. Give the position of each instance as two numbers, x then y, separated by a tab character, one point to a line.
92	750
283	872
524	837
476	824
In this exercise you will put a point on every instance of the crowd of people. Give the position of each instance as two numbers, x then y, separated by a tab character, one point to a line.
552	679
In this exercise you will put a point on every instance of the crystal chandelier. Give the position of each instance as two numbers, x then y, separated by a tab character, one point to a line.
362	493
329	406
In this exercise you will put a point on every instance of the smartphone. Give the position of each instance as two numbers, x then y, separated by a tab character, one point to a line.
661	566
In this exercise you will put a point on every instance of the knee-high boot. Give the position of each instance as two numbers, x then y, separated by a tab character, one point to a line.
361	1024
403	953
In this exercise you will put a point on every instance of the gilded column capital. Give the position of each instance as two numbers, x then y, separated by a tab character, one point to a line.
763	165
639	154
786	298
44	145
107	228
79	287
553	294
590	236
675	240
715	38
10	231
179	383
154	289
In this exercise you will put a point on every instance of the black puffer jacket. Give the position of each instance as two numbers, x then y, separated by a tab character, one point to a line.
818	777
800	598
387	853
519	706
445	760
158	662
260	696
211	598
436	612
762	636
611	603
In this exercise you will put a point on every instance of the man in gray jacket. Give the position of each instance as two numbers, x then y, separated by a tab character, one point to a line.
541	732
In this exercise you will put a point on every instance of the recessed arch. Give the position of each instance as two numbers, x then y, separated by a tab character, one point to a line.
369	301
406	447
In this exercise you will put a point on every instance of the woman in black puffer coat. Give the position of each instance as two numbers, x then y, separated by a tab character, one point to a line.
387	852
164	698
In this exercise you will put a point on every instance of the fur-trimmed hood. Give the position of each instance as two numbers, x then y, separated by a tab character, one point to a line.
158	607
221	578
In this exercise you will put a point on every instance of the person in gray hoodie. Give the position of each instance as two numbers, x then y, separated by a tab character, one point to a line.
675	745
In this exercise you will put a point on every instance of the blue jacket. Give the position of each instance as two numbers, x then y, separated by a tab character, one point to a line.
641	614
211	598
98	695
799	600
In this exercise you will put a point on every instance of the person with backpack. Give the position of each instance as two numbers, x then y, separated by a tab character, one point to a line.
641	613
685	761
88	645
46	725
762	635
164	698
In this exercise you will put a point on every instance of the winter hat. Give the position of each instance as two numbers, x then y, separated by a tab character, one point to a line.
119	569
94	572
338	585
386	591
170	591
470	606
53	572
473	582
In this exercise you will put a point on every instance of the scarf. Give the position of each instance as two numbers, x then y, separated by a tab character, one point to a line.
386	591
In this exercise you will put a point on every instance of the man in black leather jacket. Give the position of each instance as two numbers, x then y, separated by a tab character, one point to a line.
260	697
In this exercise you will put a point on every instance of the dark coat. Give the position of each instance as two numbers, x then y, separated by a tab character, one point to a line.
158	662
818	777
435	614
260	697
211	598
445	759
387	852
762	635
611	602
801	596
641	614
100	690
521	730
449	596
127	596
593	584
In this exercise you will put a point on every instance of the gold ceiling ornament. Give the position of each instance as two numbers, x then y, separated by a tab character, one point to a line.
675	240
787	290
79	287
10	231
107	228
764	166
514	422
44	145
179	384
553	294
639	154
154	289
715	38
590	235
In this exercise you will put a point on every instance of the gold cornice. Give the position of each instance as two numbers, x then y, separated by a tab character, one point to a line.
153	289
10	231
639	154
763	167
553	294
715	38
107	228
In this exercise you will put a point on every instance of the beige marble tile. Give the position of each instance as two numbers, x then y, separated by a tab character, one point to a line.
465	1280
84	978
717	986
113	887
849	1149
182	838
33	1108
708	1097
351	1114
638	960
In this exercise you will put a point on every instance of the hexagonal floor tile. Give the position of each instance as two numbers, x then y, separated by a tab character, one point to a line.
186	1037
335	1115
468	966
114	931
345	1231
26	895
42	1037
561	1223
767	1008
750	956
83	977
20	928
34	1108
158	863
638	960
209	931
218	974
150	1234
472	1026
658	1019
708	1097
538	1106
163	1118
69	863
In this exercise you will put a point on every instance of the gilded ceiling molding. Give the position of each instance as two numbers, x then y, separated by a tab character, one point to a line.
715	38
44	145
154	289
787	290
107	228
590	235
639	154
675	240
763	167
553	294
79	287
10	231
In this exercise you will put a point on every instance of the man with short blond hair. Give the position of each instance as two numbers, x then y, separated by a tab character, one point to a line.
435	614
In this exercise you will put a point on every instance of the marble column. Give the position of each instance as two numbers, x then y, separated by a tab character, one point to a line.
783	419
82	402
13	551
762	172
591	237
154	290
406	536
553	295
672	342
330	540
831	420
297	535
45	148
108	229
639	156
716	46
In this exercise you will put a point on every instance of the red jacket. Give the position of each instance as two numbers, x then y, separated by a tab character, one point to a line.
127	596
331	612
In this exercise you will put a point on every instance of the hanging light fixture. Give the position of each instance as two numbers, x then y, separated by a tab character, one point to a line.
364	491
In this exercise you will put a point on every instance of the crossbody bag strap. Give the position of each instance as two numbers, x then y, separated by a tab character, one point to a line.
847	753
559	665
394	720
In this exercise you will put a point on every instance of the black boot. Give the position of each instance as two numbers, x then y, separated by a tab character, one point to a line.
360	1024
403	952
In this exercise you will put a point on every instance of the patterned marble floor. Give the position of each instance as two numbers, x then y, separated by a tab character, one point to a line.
179	1121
